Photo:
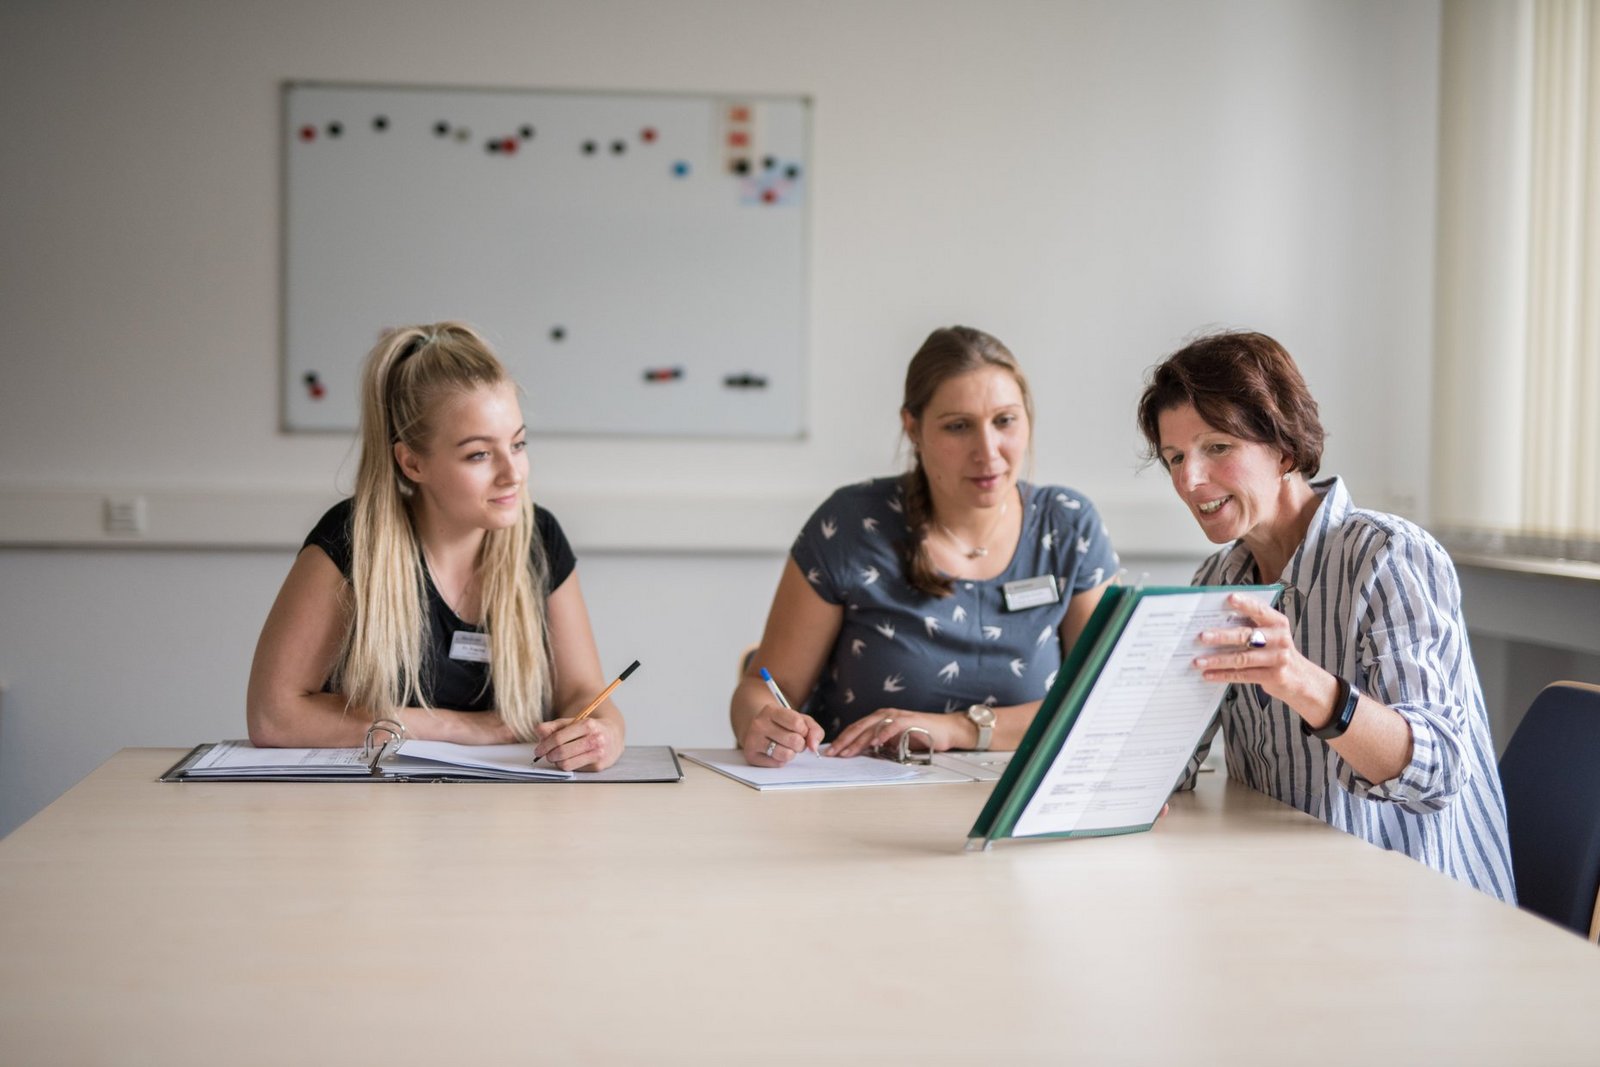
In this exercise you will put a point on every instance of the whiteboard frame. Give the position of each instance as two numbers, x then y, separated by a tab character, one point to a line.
801	404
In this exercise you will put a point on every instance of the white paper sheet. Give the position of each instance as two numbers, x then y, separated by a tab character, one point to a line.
1139	725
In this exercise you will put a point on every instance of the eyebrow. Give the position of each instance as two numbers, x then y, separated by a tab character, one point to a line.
485	437
966	414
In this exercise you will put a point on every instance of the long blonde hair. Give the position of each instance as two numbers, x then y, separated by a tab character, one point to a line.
408	378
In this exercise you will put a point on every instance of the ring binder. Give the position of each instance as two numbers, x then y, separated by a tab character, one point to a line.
397	736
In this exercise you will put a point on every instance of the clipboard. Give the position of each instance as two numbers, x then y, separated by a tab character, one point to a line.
1126	712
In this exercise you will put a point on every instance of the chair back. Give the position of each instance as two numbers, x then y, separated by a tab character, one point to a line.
1551	775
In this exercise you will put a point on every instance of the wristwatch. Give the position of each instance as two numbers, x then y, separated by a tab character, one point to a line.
1344	709
982	716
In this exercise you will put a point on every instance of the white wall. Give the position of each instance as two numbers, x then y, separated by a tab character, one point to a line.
1089	181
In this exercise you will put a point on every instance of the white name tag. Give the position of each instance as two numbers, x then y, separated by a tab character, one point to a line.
469	646
1030	592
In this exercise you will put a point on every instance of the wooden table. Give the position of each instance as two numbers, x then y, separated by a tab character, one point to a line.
705	922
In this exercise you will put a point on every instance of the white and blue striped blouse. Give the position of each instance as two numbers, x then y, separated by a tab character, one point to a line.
1374	599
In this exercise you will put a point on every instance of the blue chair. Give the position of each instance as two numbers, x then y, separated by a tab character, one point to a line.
1551	775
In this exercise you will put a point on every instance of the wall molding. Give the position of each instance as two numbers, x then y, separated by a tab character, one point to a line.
636	522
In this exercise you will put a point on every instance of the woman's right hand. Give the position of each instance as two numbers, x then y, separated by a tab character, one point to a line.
777	735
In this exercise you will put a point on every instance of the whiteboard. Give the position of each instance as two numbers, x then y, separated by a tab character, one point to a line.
637	260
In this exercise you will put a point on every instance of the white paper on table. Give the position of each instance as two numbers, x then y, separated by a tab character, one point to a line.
809	771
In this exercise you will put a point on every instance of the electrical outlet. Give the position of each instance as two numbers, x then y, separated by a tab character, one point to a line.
126	515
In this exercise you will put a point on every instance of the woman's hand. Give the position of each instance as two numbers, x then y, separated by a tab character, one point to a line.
777	735
1264	653
591	745
882	729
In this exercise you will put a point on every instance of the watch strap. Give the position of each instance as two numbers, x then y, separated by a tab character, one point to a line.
1344	710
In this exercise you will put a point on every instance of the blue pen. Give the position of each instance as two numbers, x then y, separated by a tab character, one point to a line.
777	694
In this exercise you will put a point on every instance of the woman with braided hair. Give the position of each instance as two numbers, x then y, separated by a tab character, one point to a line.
943	599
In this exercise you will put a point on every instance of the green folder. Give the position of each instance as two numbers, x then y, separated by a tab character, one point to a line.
1062	706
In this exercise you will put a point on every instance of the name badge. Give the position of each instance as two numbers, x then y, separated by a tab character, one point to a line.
469	646
1027	593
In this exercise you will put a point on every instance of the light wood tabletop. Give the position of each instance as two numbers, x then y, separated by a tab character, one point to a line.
702	921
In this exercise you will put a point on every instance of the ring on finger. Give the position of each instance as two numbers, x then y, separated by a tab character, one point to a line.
772	746
1258	639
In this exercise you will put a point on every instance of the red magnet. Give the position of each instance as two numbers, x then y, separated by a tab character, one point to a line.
663	374
308	133
738	138
769	196
648	134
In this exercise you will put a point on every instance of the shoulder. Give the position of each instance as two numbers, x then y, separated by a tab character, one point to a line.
1371	532
560	560
1059	500
859	498
1226	566
873	506
332	533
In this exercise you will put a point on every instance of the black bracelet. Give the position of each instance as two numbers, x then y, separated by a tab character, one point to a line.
1344	706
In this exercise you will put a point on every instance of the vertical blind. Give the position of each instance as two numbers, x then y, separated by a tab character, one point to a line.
1518	361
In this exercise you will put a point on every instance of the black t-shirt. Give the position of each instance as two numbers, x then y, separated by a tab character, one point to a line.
458	684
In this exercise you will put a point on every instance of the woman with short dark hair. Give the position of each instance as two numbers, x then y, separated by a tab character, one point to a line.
1358	702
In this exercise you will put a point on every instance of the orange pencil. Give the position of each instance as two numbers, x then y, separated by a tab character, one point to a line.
601	699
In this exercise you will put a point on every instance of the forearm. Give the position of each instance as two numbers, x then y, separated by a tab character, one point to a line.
322	720
1378	744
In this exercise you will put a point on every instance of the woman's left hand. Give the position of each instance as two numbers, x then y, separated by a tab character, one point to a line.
591	745
882	729
1262	653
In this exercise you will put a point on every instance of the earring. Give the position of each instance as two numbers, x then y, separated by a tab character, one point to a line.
1286	474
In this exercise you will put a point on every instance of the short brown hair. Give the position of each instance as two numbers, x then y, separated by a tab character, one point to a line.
1242	383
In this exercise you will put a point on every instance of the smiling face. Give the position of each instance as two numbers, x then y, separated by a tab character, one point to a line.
476	465
973	436
1233	487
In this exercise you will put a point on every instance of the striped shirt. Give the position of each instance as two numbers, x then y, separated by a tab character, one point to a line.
1374	599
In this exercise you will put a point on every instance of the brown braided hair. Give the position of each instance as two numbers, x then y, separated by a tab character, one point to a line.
949	352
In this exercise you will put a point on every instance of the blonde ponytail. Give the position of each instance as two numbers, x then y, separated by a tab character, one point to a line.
407	378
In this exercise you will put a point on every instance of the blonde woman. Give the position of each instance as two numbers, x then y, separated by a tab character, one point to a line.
439	595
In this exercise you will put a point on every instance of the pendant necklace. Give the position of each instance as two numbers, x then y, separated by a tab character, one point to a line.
981	550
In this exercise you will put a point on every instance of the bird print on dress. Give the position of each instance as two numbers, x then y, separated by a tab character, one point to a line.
894	683
869	575
1049	683
869	524
1097	576
849	696
886	629
1083	545
856	646
830	527
1017	667
959	615
1044	635
1048	541
814	576
931	624
992	633
1067	502
895	505
950	671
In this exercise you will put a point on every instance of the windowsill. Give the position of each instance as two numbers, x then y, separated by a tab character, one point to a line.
1551	568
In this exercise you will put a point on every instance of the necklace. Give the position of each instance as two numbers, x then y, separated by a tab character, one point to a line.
980	550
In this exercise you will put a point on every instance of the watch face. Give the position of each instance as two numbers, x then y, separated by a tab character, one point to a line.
982	714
